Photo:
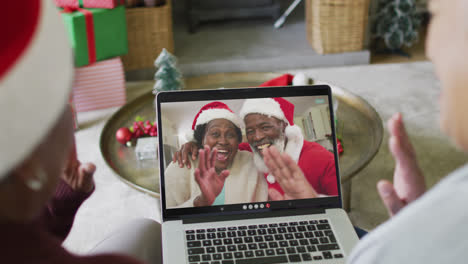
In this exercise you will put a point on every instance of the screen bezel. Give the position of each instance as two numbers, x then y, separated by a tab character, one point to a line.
245	93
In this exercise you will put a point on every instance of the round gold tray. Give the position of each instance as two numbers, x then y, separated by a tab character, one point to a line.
359	125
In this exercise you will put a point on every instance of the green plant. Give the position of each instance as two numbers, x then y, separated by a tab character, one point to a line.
397	23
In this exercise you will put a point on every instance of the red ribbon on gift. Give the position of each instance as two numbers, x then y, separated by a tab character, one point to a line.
89	31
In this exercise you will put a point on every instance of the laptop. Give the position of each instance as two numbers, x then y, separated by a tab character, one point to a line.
250	229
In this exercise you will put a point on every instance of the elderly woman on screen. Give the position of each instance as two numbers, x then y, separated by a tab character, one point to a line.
224	174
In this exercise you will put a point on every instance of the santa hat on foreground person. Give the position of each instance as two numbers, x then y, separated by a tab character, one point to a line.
36	73
214	110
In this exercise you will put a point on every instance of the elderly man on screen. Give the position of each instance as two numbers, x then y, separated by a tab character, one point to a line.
271	133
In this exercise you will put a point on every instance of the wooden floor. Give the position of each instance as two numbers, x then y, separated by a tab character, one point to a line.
417	53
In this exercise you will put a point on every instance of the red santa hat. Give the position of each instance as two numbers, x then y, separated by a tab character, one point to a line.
215	110
281	109
36	72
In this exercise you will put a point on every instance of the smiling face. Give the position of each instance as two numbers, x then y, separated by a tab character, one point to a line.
221	134
447	47
263	131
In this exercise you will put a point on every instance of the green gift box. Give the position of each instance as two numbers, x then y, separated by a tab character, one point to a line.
96	34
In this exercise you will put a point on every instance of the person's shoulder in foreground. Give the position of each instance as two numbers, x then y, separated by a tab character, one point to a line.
429	230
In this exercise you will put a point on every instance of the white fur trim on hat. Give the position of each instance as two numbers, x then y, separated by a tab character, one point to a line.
34	92
265	106
295	142
211	114
300	79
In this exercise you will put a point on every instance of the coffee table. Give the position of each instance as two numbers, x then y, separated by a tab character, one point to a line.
358	124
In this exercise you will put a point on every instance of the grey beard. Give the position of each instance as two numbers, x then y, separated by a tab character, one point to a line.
258	160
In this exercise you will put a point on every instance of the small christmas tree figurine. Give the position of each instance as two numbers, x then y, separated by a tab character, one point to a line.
397	23
168	77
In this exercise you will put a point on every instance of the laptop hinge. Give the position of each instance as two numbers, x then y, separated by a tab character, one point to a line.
250	215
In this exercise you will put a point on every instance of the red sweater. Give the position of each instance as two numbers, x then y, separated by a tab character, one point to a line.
40	242
318	166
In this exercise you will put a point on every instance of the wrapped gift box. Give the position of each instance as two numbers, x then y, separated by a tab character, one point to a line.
100	85
89	3
96	34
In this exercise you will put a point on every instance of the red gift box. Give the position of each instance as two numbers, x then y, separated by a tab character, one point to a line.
88	3
96	34
100	85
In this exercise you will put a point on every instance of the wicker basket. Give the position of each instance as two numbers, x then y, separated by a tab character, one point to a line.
335	26
149	31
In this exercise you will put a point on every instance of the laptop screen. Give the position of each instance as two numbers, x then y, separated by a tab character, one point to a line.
226	131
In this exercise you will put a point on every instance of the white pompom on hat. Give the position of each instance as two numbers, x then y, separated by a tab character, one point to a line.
36	74
281	109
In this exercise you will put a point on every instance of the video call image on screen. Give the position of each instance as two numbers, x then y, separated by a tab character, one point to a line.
239	130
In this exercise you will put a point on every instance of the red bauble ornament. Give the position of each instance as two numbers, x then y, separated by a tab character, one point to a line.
123	135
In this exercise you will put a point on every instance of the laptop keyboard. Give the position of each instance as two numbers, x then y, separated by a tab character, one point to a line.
264	243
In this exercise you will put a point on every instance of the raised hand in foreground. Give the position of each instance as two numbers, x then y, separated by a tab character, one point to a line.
289	176
211	183
77	175
408	179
